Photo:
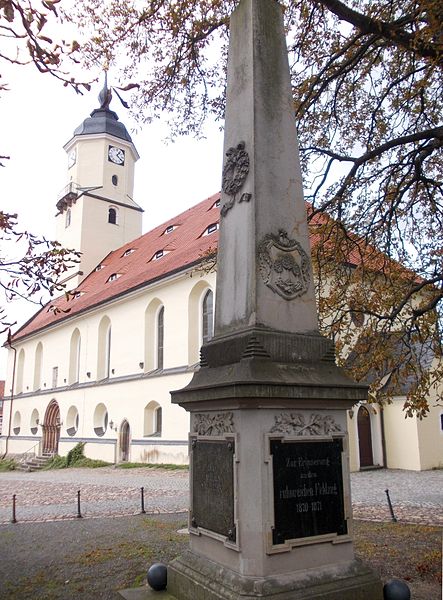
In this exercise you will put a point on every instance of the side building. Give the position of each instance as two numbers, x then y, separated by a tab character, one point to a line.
98	368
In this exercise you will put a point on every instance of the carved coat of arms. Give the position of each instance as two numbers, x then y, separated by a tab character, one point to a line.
235	171
284	265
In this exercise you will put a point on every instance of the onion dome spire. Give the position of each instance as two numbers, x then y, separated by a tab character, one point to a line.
103	119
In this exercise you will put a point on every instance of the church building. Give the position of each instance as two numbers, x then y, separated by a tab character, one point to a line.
99	367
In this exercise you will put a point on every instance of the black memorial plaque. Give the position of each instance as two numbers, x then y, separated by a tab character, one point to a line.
308	489
213	486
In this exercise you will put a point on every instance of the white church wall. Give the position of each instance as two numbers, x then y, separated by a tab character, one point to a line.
354	460
430	434
129	389
402	444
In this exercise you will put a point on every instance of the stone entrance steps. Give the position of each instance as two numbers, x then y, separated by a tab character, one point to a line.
34	463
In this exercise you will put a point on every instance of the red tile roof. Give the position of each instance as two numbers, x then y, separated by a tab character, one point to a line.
183	247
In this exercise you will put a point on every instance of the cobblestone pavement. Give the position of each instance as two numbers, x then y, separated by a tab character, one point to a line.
417	497
105	491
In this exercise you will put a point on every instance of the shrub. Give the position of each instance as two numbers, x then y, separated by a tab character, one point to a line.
56	462
75	454
7	465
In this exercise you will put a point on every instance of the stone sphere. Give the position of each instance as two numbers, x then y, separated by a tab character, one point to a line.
395	589
157	576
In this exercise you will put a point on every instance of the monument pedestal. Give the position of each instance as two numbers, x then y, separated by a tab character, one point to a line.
270	513
192	577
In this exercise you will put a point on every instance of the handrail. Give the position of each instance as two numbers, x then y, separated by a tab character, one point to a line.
70	188
24	454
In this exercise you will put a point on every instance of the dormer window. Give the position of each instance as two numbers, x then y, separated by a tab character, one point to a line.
78	295
128	252
211	228
99	267
216	204
113	277
169	229
158	254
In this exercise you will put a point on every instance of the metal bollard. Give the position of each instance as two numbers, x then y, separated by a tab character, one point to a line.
394	518
13	520
79	514
142	490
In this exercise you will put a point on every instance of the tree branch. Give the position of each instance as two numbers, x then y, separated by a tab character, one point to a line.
392	32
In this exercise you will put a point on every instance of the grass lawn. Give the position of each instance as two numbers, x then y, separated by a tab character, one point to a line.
90	559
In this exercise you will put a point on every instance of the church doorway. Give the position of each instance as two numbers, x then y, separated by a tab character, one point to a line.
51	429
125	431
365	437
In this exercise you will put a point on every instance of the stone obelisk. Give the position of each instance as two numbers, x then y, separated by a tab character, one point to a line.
270	513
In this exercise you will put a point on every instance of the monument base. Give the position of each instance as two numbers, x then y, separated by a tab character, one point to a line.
192	577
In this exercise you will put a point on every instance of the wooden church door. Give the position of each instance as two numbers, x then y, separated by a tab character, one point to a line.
365	437
51	428
124	441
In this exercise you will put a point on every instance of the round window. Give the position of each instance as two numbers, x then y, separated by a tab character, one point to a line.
100	419
34	422
72	421
16	422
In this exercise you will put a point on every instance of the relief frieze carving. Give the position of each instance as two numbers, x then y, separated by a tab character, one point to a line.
213	423
284	265
297	424
235	171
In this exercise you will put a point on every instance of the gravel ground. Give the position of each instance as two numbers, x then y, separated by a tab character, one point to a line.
87	559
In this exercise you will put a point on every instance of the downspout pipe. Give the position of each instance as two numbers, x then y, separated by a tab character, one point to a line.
9	344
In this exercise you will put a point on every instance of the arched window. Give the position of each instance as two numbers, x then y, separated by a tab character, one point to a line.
200	319
154	335
207	317
38	366
20	371
160	336
152	421
112	216
104	349
74	357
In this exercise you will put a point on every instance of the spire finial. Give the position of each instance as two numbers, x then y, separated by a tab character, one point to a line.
105	95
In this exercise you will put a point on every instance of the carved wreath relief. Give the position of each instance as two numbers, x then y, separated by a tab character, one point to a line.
235	171
214	424
284	265
295	424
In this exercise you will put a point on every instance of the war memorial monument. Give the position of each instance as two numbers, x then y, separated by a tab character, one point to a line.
270	513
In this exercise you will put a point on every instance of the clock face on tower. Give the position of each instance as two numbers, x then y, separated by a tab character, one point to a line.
116	155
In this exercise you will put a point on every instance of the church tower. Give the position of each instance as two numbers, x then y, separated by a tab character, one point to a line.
96	212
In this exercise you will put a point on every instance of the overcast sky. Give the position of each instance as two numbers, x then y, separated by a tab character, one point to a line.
38	116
